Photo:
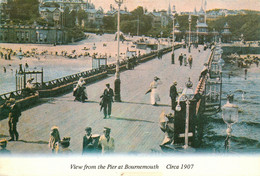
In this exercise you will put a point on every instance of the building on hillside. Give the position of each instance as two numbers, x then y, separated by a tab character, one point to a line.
159	19
72	4
202	33
33	34
113	11
94	18
52	14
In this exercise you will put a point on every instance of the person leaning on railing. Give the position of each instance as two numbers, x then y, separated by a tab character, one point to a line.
29	88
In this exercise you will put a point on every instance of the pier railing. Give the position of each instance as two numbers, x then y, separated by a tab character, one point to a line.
201	87
195	114
66	83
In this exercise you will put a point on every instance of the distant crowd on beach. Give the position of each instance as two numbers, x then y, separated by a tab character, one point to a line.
244	62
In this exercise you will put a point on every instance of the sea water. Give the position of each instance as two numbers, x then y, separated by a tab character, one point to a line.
246	132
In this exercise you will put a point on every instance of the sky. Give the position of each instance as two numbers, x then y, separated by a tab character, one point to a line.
182	5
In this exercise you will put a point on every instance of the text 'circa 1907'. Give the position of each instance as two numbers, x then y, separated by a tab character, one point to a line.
179	166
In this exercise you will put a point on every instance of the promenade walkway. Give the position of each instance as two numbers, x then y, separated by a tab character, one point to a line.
134	122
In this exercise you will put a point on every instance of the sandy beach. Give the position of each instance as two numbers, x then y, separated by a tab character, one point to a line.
58	66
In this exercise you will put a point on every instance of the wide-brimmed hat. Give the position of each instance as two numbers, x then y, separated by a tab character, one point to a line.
54	127
3	142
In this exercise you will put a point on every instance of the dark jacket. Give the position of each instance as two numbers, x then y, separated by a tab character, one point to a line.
87	144
107	95
14	113
173	92
180	57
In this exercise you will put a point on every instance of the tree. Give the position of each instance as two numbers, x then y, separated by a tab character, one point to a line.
248	25
109	23
70	17
139	11
81	16
22	10
137	22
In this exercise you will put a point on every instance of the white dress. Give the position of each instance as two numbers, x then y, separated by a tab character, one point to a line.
154	91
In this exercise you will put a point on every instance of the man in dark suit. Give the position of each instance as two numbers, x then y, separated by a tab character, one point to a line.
181	59
107	99
173	94
88	141
13	117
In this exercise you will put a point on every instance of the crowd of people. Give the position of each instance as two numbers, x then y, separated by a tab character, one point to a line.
184	61
96	143
243	62
6	53
92	143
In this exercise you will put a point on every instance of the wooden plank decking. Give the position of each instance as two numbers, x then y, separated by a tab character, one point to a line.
134	121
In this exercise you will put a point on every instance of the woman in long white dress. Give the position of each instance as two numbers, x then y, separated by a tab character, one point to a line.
154	90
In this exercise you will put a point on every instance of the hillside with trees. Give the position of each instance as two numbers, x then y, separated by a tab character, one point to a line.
27	12
248	25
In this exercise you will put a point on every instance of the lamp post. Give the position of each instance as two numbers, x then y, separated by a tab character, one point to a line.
221	63
137	32
160	40
188	94
218	54
173	35
230	116
189	30
197	32
117	75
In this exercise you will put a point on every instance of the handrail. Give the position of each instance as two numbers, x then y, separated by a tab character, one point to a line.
200	89
74	77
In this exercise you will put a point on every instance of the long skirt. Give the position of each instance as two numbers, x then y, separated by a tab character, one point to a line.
154	96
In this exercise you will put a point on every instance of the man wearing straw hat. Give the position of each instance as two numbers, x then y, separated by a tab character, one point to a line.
106	142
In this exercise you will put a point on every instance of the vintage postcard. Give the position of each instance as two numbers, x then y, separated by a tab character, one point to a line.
129	87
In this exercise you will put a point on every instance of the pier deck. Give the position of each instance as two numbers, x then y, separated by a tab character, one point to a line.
134	122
